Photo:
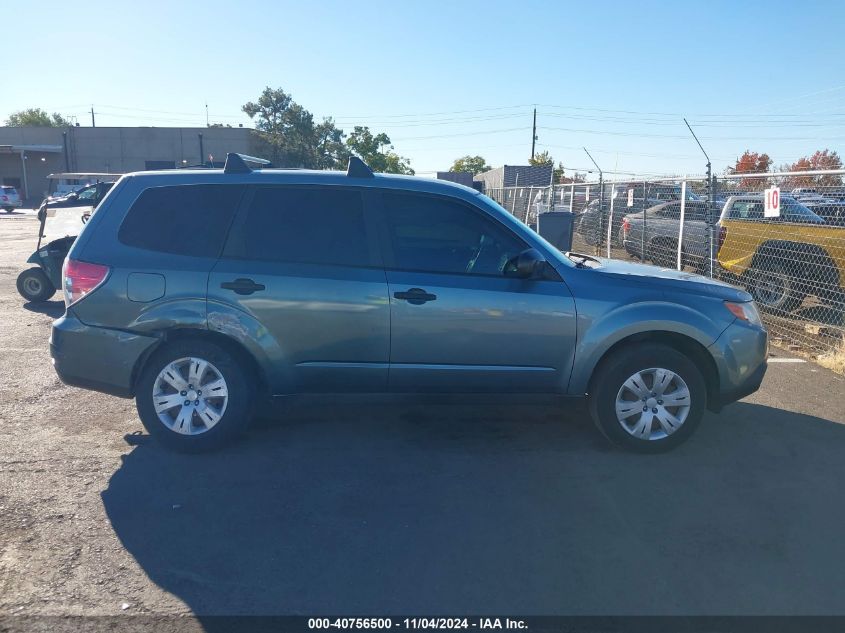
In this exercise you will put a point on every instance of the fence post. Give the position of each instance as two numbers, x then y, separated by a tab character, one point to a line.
601	213
681	228
571	197
642	234
711	222
528	203
610	217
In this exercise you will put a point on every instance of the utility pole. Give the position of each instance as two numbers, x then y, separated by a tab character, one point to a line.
534	134
711	194
93	123
206	114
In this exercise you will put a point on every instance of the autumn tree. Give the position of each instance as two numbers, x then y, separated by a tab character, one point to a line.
821	160
752	163
36	117
472	164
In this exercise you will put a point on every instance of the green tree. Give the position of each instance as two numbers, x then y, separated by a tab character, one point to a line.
473	164
543	159
330	150
377	151
36	117
285	127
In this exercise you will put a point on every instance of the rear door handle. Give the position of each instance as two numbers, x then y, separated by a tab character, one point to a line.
415	296
242	286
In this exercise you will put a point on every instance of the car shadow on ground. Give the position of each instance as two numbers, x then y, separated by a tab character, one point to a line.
460	509
53	309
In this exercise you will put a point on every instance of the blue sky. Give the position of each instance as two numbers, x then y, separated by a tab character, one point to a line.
445	79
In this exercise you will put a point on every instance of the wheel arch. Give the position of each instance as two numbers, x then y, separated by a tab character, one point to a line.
680	342
231	345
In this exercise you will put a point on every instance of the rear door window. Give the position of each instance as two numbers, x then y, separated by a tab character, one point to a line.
183	219
310	225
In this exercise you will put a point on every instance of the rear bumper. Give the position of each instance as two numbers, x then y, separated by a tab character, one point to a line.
740	354
96	358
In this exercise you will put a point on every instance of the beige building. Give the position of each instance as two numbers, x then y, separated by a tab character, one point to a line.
29	154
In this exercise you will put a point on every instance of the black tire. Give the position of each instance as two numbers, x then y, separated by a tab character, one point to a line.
9	209
773	288
612	373
663	253
34	286
239	406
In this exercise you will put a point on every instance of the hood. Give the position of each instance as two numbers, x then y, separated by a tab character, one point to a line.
669	279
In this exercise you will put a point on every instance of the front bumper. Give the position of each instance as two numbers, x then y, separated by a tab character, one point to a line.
96	358
740	353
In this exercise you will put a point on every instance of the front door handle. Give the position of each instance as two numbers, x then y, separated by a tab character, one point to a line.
242	286
415	296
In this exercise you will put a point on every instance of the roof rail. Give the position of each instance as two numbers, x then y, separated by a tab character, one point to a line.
239	163
358	168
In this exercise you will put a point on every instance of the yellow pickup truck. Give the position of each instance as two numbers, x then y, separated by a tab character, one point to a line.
781	260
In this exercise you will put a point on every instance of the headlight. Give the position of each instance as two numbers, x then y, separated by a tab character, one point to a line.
746	311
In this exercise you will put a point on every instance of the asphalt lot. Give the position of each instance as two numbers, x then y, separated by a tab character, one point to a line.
399	507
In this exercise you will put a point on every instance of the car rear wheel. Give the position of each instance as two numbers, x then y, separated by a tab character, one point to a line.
34	286
773	288
647	398
194	396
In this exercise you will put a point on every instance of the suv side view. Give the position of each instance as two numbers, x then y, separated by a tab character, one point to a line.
781	260
200	293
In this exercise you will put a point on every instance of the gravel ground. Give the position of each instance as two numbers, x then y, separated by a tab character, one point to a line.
401	507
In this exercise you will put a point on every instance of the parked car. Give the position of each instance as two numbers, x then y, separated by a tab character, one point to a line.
781	260
9	198
592	223
201	293
662	224
85	197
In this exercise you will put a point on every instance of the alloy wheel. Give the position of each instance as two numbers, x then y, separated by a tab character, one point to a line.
190	396
653	403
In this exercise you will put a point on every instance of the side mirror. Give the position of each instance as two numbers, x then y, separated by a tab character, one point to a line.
528	263
73	196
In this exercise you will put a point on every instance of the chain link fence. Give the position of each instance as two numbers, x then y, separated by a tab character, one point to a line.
780	236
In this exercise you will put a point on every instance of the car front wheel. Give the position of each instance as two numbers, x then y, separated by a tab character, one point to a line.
647	397
194	396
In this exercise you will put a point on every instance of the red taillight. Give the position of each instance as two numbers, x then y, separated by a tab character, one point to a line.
723	232
80	278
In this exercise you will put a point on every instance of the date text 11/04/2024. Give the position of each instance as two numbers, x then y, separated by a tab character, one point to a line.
417	623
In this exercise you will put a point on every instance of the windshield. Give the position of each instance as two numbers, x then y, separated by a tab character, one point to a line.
794	211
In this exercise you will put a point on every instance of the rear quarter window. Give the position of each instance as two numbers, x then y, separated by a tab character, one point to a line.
187	220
